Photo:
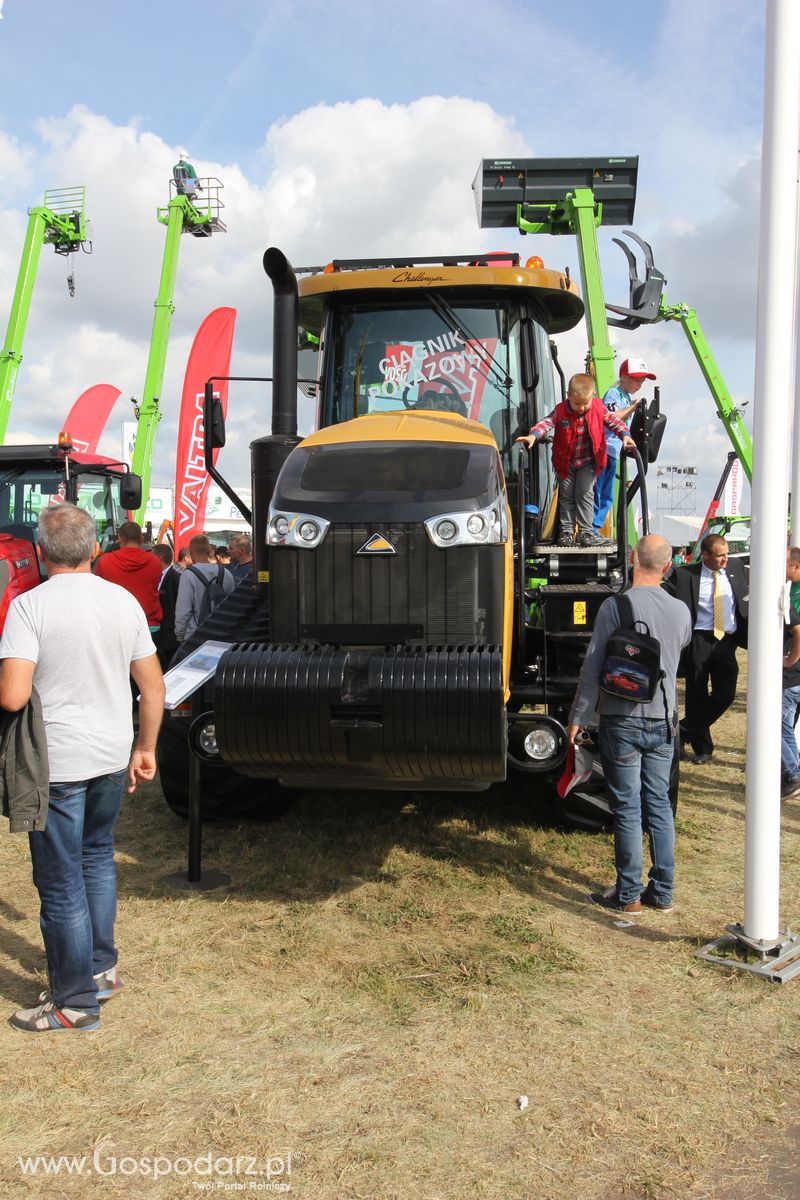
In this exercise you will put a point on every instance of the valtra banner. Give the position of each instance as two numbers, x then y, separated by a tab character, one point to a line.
88	415
209	356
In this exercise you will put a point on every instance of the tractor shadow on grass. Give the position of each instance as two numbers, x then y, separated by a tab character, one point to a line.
330	843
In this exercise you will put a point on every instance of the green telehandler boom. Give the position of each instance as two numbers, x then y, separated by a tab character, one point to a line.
186	212
61	223
564	196
575	196
647	305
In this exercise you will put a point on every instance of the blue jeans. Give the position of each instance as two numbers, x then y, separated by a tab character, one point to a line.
637	758
604	492
75	876
790	760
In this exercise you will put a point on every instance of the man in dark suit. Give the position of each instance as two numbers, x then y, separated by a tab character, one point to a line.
715	590
166	642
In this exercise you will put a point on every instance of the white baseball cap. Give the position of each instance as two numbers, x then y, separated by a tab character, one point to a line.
635	368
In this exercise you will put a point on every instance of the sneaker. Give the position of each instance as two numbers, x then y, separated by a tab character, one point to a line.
649	902
108	984
790	787
587	540
566	539
610	900
47	1018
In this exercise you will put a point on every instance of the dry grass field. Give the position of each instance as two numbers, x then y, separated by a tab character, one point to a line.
383	978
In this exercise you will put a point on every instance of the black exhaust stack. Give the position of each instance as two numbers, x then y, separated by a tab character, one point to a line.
268	454
284	349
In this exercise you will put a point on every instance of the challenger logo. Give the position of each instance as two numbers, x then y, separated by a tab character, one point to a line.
377	544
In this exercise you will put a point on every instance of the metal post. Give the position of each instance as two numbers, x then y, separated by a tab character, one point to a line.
196	879
195	809
794	483
773	380
774	367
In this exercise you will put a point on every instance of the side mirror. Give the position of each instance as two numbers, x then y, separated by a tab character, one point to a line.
647	428
213	420
130	491
657	427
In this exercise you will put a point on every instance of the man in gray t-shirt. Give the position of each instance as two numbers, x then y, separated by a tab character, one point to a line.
637	741
77	639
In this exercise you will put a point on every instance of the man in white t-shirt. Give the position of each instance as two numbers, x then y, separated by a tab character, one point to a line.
77	639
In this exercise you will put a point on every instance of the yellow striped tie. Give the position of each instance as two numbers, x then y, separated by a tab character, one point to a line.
719	612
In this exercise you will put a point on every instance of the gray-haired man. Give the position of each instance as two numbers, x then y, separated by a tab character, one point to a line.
240	549
637	741
77	638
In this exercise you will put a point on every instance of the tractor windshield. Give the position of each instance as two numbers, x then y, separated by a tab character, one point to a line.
99	496
461	356
24	491
461	359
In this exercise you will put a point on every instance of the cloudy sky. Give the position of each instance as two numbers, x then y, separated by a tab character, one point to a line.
345	129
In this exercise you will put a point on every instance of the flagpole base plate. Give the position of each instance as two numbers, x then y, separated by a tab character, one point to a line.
776	961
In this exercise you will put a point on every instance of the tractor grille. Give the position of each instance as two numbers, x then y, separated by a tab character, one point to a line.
421	594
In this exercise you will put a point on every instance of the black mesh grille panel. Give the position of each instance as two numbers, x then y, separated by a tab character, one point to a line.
421	585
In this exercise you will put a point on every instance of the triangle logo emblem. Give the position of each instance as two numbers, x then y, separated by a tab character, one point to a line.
377	544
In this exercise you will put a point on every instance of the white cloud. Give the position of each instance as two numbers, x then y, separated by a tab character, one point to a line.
16	163
353	179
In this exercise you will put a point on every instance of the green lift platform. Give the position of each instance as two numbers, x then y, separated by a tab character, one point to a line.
61	223
195	208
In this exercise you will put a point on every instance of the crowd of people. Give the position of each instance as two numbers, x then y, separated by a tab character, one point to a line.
125	614
68	731
170	588
698	613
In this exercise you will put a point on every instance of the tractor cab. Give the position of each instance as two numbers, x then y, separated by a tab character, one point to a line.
468	337
36	477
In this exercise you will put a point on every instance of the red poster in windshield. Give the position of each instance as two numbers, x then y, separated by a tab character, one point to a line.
450	377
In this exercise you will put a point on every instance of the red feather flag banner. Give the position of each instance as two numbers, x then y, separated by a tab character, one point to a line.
88	415
209	356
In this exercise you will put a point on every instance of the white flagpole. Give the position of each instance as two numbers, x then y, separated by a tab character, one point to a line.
794	484
775	333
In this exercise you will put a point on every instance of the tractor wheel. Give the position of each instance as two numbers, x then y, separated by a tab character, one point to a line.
225	795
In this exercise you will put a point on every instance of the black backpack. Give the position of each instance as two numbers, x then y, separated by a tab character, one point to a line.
213	591
631	669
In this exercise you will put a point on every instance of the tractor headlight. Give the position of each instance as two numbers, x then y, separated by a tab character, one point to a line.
536	742
478	527
309	531
203	738
541	743
300	530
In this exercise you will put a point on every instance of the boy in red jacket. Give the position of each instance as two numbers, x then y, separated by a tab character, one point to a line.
579	454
